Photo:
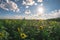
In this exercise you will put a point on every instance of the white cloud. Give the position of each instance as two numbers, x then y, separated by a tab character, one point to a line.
27	6
28	2
11	17
9	5
16	0
41	4
29	17
27	12
53	14
35	3
3	6
40	1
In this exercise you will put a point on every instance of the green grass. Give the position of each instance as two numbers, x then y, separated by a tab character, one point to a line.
29	29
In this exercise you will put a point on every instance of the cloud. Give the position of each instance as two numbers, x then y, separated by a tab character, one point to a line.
35	4
27	6
53	14
9	5
40	1
16	0
27	12
13	6
11	17
28	2
3	6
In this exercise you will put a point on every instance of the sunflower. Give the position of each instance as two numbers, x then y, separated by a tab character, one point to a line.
0	34
23	35
18	29
41	27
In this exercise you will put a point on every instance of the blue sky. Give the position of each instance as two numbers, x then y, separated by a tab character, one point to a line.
19	9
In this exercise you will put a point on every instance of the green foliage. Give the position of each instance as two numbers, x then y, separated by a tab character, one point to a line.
29	30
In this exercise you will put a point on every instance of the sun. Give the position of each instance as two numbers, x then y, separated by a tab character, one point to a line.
41	9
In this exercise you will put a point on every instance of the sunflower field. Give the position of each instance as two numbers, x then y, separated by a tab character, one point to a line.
29	29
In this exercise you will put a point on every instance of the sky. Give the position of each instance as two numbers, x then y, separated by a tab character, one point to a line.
29	9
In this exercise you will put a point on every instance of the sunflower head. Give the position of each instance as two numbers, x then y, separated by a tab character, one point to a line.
41	27
18	29
0	34
23	35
